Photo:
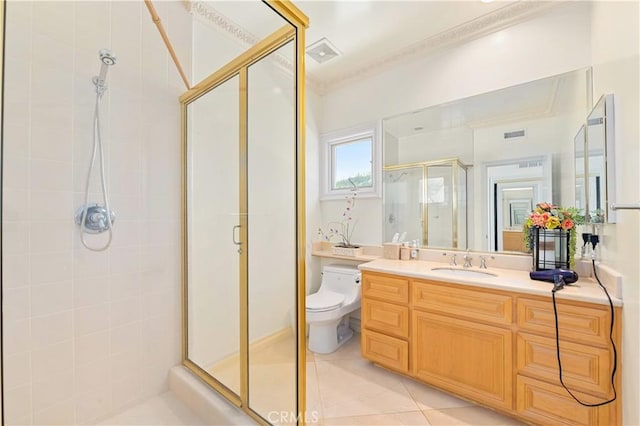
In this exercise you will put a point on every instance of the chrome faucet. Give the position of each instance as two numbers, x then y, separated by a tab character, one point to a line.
483	261
467	260
452	262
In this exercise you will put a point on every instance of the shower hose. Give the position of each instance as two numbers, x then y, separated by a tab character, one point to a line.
97	146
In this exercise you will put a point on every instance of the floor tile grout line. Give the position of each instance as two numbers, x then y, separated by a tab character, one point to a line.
320	406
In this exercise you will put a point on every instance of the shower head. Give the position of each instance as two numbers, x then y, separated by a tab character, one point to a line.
107	58
393	178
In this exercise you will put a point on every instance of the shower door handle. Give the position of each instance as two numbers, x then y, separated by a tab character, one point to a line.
235	241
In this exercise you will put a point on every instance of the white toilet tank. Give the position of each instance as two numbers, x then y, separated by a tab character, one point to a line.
343	279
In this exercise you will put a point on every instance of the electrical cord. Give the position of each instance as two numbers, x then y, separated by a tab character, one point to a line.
615	352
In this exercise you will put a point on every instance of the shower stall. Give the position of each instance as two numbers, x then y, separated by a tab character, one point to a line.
204	272
426	202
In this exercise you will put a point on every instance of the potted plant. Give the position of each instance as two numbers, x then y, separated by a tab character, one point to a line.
343	230
550	234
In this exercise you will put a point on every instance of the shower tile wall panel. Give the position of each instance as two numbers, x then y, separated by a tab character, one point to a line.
87	334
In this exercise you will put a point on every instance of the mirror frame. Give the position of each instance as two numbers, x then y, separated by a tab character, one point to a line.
607	104
580	146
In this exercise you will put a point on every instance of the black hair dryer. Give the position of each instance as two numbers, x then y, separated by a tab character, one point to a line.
549	275
559	277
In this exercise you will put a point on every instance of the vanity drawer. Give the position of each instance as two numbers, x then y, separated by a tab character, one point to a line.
462	302
546	404
386	318
584	368
385	287
385	350
578	323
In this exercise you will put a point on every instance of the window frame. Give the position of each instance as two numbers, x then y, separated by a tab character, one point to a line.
332	139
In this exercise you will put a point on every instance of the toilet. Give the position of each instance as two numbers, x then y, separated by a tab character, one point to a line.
328	310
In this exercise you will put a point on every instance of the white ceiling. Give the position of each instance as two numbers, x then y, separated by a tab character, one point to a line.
372	35
364	31
375	35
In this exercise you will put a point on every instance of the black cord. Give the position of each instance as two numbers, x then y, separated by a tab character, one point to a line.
615	352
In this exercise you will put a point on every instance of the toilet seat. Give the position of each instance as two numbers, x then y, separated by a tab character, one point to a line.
324	301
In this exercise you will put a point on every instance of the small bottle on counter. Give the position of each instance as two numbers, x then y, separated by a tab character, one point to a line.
414	249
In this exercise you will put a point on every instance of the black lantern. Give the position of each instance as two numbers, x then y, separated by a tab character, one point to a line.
550	248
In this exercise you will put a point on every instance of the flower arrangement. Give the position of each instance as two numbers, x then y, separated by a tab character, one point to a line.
549	216
343	229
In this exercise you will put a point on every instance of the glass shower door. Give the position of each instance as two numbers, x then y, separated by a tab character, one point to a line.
271	244
213	235
439	193
403	203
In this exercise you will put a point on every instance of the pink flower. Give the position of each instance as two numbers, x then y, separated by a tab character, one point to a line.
567	224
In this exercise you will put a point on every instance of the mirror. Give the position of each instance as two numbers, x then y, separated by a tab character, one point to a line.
516	145
599	161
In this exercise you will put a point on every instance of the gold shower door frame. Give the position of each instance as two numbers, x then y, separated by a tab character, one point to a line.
239	67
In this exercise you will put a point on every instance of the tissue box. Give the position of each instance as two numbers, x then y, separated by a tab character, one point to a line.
391	251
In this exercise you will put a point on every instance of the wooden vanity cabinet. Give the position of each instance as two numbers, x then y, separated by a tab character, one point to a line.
385	319
494	347
587	360
467	358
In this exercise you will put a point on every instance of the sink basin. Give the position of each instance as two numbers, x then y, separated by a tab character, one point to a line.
470	273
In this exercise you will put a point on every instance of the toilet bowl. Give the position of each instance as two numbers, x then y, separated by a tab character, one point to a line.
328	310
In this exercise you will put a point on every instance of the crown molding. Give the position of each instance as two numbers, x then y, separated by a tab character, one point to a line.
497	20
221	22
226	25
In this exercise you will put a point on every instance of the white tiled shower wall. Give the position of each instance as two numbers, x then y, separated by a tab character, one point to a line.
86	334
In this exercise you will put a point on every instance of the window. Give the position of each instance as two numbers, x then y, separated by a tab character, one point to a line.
351	159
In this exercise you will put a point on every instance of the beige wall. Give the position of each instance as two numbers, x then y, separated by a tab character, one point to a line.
603	34
560	40
86	334
616	69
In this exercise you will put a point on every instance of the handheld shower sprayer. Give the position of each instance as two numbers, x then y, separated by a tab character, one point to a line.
95	218
107	58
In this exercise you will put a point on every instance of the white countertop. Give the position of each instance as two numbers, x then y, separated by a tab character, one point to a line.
584	290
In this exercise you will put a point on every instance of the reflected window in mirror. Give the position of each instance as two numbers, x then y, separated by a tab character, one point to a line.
351	159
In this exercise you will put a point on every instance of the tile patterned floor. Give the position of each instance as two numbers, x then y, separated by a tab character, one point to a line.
345	389
342	389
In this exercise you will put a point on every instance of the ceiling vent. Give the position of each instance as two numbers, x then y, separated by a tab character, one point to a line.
514	134
322	50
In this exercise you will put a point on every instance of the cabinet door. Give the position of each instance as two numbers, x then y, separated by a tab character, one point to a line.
386	351
385	287
457	301
585	368
470	359
386	318
580	323
547	404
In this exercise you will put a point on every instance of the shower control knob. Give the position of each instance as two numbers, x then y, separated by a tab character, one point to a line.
95	218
